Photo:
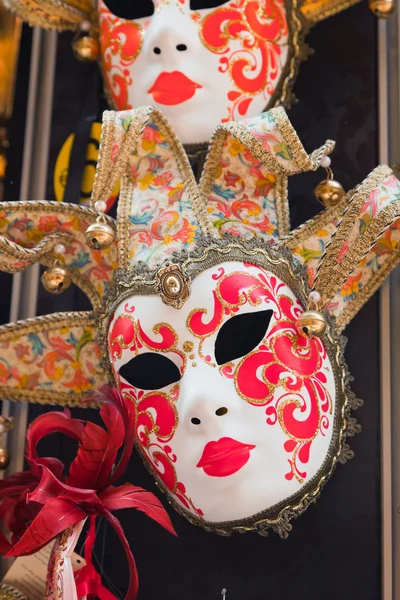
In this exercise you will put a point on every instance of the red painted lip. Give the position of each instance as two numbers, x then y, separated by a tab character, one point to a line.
225	457
173	88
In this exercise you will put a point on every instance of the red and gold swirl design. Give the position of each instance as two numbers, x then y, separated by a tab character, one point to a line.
123	38
155	411
292	385
262	29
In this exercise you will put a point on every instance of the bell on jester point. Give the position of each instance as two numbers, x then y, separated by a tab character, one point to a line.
311	324
86	46
382	8
99	235
56	279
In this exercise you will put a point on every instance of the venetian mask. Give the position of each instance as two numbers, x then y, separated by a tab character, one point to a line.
241	415
201	62
200	66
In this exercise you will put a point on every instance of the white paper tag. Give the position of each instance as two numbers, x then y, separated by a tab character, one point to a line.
28	574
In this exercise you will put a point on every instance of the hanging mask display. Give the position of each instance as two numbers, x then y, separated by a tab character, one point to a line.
220	324
201	62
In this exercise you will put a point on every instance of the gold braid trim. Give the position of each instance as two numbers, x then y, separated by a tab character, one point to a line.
318	10
304	161
331	274
28	256
46	323
51	14
369	289
51	206
282	205
107	141
7	592
296	49
310	228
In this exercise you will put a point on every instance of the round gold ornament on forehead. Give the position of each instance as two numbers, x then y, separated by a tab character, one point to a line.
173	284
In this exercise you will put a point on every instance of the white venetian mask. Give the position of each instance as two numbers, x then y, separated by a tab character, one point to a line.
235	410
200	66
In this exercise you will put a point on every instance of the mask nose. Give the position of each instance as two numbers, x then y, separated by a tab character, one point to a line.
206	413
170	37
220	412
178	47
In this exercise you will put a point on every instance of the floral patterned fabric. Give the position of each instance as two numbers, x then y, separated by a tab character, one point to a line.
249	162
52	360
40	227
161	217
243	197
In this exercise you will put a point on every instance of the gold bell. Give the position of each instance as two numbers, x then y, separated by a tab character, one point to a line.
99	235
86	48
329	192
311	324
56	280
4	459
382	8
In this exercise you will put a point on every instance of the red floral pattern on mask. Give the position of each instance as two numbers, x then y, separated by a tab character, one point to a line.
286	360
155	411
122	37
262	29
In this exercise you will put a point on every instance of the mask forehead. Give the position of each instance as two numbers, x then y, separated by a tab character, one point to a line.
271	410
201	67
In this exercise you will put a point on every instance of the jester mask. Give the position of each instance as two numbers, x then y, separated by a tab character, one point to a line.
241	416
201	62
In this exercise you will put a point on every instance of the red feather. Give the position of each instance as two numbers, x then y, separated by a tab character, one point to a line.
54	518
126	409
50	488
52	422
133	574
131	496
97	451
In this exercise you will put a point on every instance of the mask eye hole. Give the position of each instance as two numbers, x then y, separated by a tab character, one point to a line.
240	335
126	9
199	4
150	371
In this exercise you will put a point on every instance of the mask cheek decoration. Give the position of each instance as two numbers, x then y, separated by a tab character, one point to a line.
253	44
149	376
282	371
120	44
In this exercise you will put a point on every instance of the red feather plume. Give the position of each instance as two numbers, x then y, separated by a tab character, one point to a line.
38	505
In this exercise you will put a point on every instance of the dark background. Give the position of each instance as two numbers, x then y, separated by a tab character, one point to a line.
334	550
